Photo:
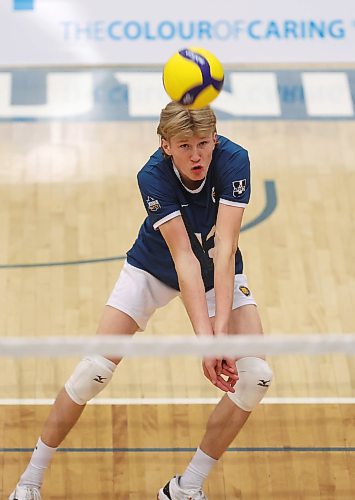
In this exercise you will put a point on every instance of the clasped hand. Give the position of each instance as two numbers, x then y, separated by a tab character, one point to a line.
221	372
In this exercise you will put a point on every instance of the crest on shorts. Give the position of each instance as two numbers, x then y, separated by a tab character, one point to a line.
239	187
153	205
245	290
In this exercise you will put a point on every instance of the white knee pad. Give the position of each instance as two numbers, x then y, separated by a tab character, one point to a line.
255	377
90	377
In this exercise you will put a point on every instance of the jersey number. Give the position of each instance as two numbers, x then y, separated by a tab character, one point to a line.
207	243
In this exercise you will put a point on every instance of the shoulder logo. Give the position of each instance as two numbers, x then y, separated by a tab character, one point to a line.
239	187
153	205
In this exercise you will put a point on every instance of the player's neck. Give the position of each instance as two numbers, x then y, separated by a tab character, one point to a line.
190	185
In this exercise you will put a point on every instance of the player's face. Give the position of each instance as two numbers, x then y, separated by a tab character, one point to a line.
191	157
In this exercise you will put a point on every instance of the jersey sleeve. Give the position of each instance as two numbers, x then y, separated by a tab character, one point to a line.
159	198
234	179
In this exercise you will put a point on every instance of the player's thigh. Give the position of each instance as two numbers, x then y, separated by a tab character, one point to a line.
245	320
244	317
137	294
116	322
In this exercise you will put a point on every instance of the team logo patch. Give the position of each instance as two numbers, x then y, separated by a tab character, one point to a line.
153	205
239	187
245	290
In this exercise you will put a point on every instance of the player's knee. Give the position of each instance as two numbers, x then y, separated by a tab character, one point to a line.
255	377
90	377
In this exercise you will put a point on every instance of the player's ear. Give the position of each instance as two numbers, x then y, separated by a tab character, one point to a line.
165	146
215	139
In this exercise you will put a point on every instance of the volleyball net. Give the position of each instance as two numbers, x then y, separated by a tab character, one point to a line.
311	368
159	346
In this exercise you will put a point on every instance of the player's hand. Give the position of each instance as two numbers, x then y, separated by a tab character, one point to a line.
228	367
221	373
225	366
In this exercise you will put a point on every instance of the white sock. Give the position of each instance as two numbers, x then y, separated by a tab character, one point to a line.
197	471
41	456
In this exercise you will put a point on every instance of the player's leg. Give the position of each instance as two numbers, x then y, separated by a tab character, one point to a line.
135	297
230	415
232	412
91	376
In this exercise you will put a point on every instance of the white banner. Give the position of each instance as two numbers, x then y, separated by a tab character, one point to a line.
109	32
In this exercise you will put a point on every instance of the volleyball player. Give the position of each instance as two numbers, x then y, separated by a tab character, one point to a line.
195	189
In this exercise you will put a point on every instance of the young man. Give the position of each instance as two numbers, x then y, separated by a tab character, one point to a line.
195	189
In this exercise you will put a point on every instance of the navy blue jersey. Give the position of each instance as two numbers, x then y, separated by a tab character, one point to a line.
165	197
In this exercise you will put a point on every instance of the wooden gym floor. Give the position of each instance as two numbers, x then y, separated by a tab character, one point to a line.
68	193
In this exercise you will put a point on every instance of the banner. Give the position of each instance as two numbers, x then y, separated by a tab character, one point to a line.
109	32
95	94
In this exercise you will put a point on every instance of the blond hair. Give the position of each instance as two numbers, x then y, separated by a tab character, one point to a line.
177	120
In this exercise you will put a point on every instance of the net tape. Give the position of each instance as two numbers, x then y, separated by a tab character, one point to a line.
158	346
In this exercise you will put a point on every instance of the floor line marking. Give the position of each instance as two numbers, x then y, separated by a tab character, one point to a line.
262	449
181	401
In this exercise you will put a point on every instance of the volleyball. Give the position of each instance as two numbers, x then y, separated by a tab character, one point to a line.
194	77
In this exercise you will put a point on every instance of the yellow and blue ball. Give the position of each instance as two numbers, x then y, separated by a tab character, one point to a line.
194	77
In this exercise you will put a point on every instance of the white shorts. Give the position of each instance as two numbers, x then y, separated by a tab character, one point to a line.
138	294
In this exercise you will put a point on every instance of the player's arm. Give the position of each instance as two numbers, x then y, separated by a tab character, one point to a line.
228	226
193	294
189	274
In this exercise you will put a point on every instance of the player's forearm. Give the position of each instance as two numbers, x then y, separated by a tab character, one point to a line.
224	270
193	293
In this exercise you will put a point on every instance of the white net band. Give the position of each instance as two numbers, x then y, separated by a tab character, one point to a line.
158	346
